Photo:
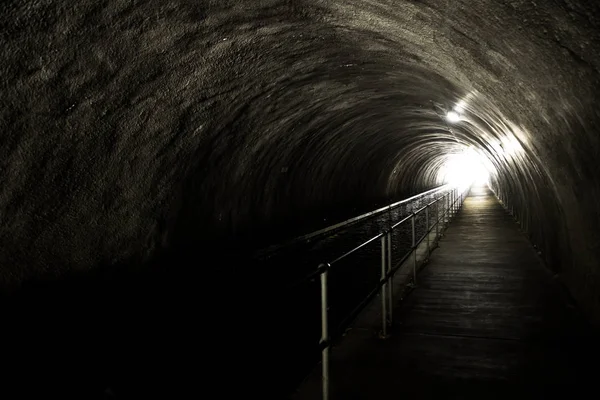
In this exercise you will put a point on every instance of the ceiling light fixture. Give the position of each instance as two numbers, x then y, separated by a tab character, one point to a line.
453	117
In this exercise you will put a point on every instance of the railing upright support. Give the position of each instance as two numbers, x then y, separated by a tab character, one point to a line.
324	332
427	232
454	202
391	279
383	287
447	212
437	220
414	248
457	200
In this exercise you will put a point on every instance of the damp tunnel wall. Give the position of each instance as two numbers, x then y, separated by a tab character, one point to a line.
130	129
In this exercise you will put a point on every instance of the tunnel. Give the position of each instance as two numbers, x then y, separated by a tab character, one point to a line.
148	147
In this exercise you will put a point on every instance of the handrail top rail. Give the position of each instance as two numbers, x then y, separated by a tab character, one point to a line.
360	246
370	213
411	215
352	220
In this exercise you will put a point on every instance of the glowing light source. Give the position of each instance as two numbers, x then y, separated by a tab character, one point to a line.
453	116
511	145
465	169
460	107
507	146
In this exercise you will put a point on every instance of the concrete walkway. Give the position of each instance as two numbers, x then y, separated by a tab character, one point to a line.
487	320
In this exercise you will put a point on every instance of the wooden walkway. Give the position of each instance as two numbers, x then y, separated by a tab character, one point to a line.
486	320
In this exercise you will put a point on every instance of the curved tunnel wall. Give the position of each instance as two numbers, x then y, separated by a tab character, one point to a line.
131	128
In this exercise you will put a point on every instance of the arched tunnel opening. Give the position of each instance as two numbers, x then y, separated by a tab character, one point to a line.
149	147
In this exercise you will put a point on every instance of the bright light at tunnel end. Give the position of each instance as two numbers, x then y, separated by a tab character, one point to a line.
465	169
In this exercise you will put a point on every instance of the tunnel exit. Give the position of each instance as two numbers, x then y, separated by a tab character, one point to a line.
466	168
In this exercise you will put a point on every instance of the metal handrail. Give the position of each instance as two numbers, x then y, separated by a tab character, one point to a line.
393	227
370	214
453	201
312	275
354	250
353	220
397	224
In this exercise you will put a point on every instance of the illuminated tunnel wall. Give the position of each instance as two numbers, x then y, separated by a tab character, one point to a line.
132	128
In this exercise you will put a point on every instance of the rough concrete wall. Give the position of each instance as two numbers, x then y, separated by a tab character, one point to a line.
130	128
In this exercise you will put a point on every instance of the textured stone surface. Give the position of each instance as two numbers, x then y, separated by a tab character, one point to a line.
134	129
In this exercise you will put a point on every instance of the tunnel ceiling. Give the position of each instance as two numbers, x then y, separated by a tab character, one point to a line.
130	127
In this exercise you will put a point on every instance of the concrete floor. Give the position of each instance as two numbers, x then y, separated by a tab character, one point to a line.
487	319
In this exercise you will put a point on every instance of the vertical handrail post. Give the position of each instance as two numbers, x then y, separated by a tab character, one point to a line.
414	247
427	232
444	203
443	219
437	219
447	211
454	209
324	332
390	280
454	202
457	200
383	286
